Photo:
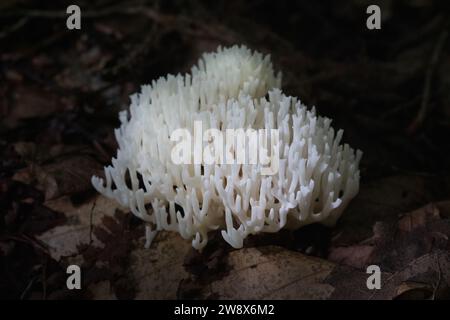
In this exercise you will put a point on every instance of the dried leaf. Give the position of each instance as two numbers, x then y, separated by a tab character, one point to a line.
271	273
64	240
67	177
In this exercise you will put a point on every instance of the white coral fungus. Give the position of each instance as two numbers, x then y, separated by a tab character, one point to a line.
230	88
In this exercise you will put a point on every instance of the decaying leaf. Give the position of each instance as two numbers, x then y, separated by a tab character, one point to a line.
64	177
64	240
413	247
272	273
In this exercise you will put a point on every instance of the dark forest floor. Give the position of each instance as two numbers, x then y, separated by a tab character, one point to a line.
61	91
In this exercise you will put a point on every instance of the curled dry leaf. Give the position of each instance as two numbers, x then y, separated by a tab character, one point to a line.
411	290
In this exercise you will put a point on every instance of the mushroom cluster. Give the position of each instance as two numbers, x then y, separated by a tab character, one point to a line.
232	88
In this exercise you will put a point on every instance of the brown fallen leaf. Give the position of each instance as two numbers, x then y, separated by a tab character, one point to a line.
411	290
357	256
418	218
67	176
64	240
380	200
30	102
413	248
159	270
273	272
270	273
122	264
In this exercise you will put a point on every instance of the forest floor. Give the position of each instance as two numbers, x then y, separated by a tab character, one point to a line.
60	94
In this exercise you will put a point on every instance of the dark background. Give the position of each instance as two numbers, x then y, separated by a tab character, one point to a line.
60	92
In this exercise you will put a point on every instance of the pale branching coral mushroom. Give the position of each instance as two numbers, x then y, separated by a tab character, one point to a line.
232	88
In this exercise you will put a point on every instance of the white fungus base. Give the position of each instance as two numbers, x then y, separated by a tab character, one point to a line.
231	88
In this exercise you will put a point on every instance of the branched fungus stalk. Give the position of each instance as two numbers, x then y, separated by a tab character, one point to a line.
232	88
